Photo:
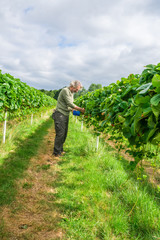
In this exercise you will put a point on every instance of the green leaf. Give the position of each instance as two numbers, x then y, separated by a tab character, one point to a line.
156	139
156	80
144	88
140	99
138	114
155	99
156	111
128	121
150	134
127	132
104	122
133	130
120	118
150	66
146	110
123	104
127	91
151	122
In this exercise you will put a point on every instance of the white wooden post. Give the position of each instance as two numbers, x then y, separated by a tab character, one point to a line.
97	143
31	118
5	126
81	126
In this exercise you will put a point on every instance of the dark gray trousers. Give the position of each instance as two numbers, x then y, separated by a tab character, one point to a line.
61	127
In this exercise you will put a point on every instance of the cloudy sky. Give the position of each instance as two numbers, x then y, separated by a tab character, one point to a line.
48	43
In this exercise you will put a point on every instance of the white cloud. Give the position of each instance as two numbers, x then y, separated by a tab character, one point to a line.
48	43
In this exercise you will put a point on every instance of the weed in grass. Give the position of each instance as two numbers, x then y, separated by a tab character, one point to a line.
27	185
43	167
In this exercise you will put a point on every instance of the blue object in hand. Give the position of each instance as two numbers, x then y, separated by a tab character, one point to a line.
76	113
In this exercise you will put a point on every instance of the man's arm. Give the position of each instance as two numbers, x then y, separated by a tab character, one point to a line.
79	109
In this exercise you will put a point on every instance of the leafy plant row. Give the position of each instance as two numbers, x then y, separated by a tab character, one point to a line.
17	98
129	109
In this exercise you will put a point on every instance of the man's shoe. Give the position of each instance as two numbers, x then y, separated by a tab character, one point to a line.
63	153
57	155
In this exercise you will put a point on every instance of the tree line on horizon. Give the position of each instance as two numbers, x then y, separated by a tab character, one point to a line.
55	93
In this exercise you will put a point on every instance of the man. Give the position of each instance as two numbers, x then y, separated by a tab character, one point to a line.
61	115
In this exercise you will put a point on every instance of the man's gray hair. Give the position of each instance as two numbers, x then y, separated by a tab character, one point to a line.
75	84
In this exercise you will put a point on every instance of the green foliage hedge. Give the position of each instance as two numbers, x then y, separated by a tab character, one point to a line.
130	107
18	98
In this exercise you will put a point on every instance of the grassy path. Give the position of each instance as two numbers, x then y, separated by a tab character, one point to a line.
27	199
85	195
100	196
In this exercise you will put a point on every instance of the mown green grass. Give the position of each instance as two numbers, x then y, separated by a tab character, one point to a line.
18	131
99	196
26	144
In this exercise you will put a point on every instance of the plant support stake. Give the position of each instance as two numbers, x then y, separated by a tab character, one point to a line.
82	126
5	126
31	118
97	143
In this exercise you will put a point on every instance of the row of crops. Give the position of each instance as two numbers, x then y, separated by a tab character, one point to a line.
128	110
19	99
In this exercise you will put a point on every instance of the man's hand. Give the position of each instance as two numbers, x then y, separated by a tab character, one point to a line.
82	110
